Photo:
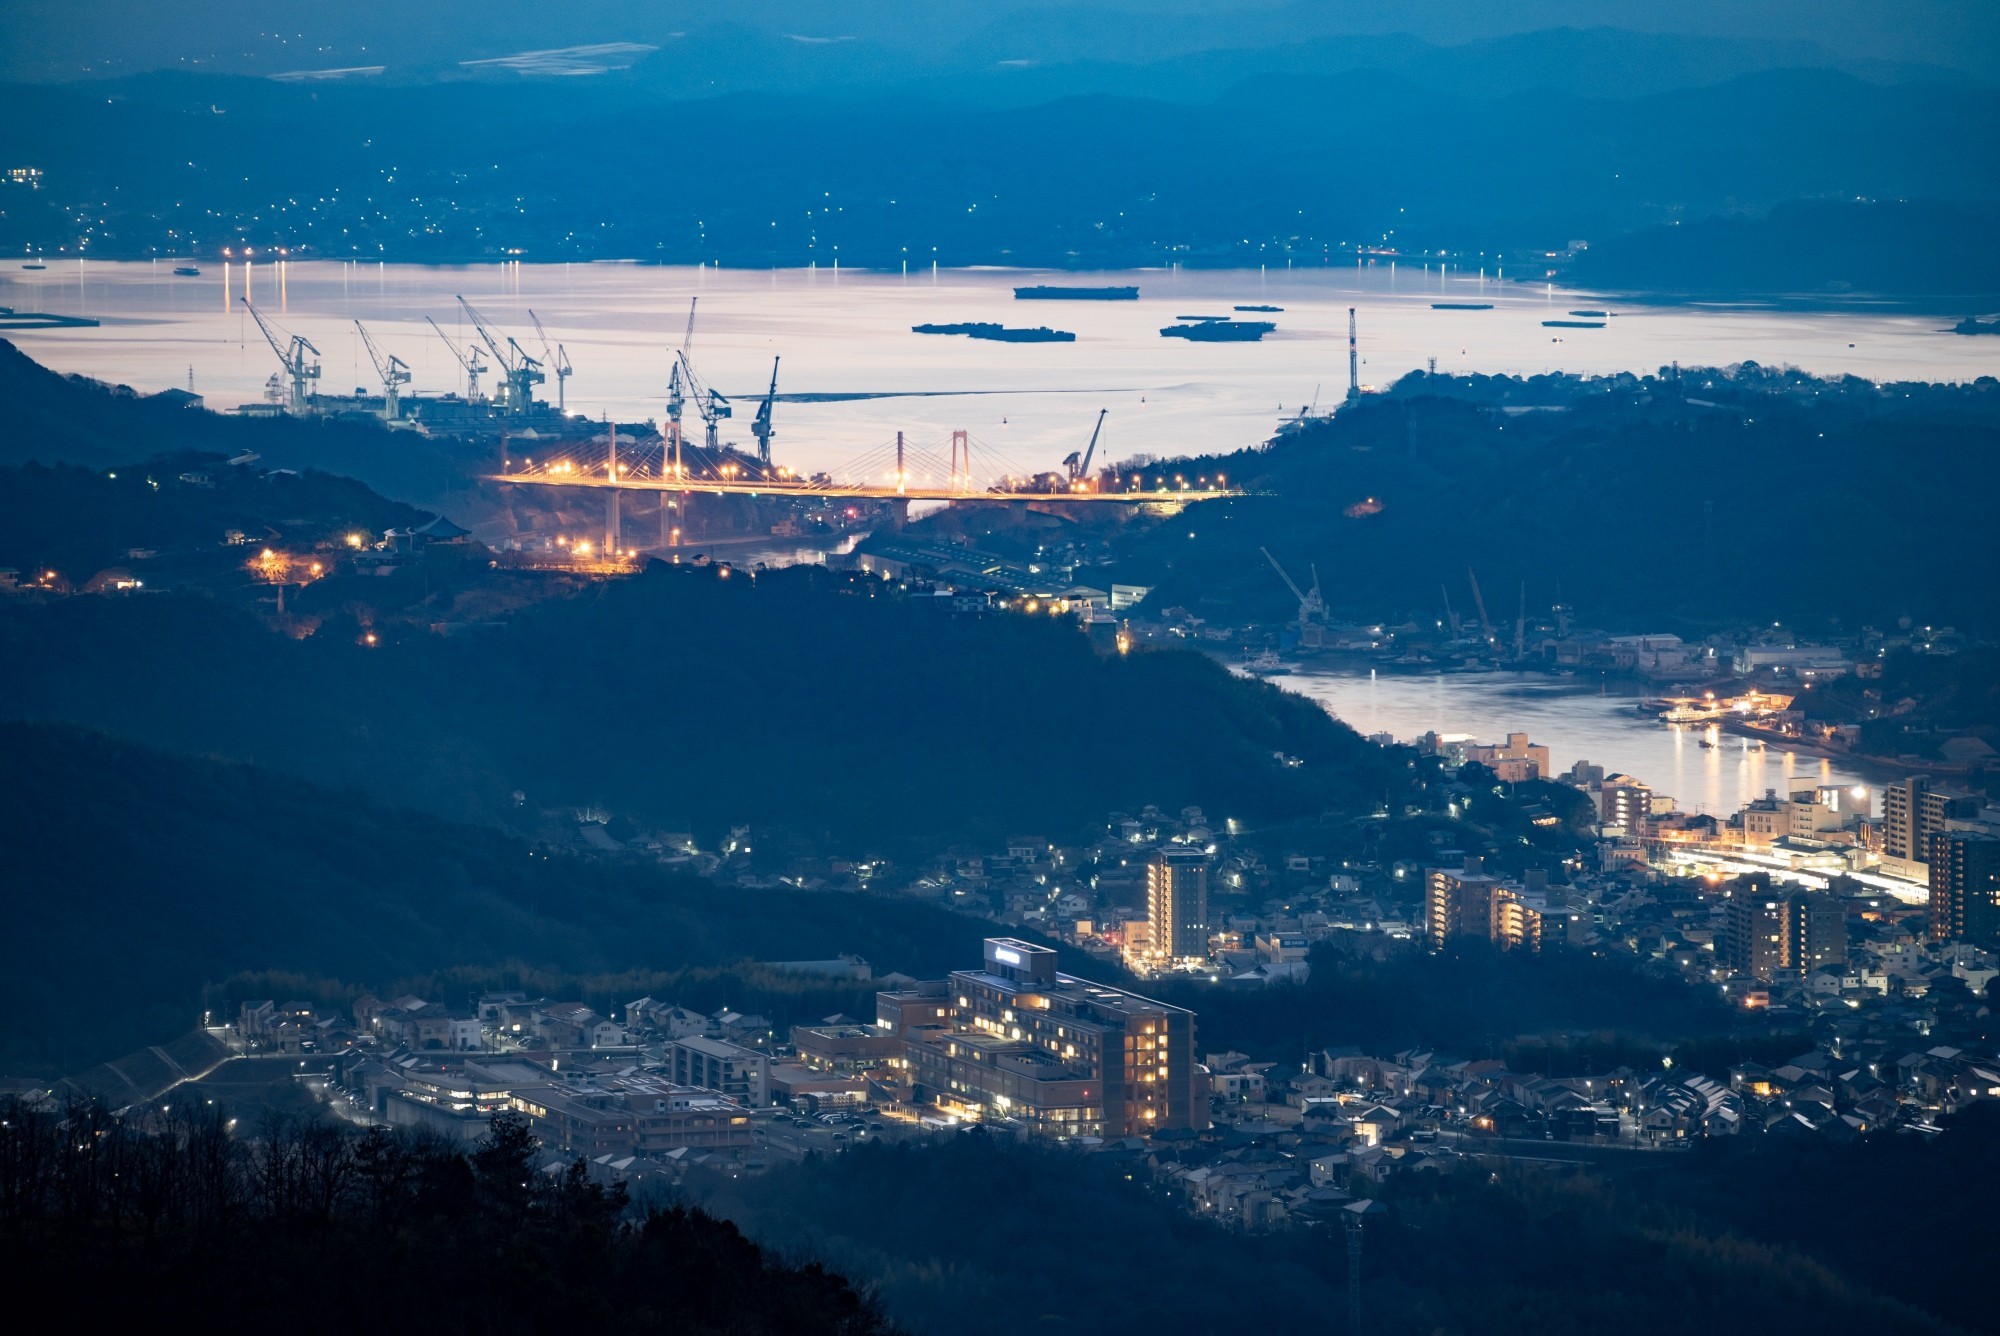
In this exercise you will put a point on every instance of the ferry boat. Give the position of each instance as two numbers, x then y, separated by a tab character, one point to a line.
186	271
34	264
1572	324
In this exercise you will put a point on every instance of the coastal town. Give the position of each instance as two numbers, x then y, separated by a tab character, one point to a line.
1860	926
1106	667
1841	931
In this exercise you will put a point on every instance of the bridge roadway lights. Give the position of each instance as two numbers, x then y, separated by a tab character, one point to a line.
713	487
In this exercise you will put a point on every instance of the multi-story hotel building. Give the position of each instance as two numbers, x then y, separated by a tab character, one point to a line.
1913	811
1965	886
1177	904
1458	902
1063	1056
1768	932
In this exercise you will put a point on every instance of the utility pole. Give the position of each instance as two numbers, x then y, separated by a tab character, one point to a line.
1353	1223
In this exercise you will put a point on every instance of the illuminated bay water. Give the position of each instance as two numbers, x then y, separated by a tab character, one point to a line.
849	333
1578	719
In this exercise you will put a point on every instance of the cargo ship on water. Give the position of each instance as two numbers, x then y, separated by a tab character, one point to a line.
1461	306
979	329
1219	331
1045	293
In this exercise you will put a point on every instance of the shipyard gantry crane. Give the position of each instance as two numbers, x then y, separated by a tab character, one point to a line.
1479	602
684	385
520	373
676	392
1312	605
393	370
760	426
292	350
467	358
557	360
1079	470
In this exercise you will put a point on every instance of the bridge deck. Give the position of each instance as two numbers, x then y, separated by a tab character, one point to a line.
808	492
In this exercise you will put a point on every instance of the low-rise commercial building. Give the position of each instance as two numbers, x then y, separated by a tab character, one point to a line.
743	1074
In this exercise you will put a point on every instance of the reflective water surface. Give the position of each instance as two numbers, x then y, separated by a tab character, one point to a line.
1026	405
1578	719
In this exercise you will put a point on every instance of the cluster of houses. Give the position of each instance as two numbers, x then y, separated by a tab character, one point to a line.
1306	1146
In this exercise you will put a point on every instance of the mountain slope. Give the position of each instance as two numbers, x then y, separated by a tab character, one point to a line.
135	878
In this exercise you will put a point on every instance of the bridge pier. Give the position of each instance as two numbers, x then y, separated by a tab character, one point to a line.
614	537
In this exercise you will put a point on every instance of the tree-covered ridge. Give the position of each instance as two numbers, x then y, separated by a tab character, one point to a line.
80	521
1654	1245
140	883
1677	501
178	1211
831	712
53	419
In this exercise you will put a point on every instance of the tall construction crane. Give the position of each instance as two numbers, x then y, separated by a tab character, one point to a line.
760	426
711	404
1479	602
467	358
519	372
676	392
682	385
1079	470
393	370
1312	606
557	359
292	350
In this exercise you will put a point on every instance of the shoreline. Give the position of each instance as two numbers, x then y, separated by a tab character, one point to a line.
1942	305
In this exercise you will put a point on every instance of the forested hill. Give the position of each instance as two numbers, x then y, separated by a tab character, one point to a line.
48	418
1662	502
344	1230
825	712
137	879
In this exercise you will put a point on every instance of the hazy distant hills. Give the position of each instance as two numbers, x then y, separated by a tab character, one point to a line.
1597	62
775	44
1285	166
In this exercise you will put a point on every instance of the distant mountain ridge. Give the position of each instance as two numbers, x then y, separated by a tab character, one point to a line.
1296	167
874	39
